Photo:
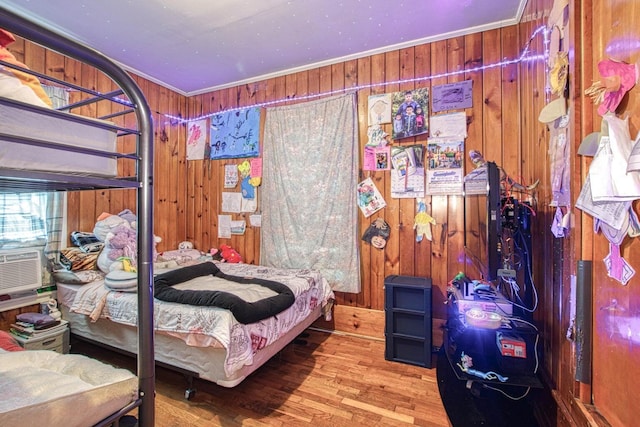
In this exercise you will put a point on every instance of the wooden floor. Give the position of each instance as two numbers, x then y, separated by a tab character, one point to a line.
326	380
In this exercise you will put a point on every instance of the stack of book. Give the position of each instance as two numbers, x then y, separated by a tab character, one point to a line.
26	330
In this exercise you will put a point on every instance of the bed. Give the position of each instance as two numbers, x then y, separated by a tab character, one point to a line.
19	123
61	150
206	342
45	387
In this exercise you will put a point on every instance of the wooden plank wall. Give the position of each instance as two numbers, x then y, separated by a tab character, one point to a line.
495	127
502	124
609	28
188	193
170	152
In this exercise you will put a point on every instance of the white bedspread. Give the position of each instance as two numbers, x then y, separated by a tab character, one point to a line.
211	326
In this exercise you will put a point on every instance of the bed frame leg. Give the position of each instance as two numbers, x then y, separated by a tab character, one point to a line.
190	391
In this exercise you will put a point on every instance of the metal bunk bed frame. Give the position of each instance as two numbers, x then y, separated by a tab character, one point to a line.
25	181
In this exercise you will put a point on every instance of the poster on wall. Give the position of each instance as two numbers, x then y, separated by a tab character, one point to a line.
197	147
379	109
235	134
370	200
445	165
377	158
407	171
410	113
452	96
450	124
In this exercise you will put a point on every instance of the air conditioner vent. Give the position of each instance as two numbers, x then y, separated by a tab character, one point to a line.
20	270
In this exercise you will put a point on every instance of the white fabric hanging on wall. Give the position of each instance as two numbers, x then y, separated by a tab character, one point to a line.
610	180
309	208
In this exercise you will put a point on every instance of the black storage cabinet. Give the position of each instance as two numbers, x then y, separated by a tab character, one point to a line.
407	303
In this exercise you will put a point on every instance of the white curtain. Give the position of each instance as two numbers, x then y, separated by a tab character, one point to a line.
33	220
309	208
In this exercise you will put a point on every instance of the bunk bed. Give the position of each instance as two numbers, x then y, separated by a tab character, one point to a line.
91	168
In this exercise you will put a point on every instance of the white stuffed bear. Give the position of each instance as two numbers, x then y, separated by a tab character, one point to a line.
185	245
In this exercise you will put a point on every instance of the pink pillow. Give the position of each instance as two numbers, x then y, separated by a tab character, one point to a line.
7	342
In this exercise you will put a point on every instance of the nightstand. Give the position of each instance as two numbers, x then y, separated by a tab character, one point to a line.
407	309
57	339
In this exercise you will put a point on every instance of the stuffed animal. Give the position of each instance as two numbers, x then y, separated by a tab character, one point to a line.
107	222
229	254
122	242
185	245
120	250
17	84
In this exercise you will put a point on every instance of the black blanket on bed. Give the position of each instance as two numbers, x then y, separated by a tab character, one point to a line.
245	312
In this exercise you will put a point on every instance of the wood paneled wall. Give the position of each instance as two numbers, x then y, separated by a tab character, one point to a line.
493	128
502	124
607	29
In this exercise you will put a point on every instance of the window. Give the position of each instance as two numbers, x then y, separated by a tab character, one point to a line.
23	219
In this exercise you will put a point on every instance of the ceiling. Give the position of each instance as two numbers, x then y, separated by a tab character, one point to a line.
195	46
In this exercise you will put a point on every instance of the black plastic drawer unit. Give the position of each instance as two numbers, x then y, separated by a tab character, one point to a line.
408	320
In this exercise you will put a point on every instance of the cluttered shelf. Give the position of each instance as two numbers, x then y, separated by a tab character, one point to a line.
485	342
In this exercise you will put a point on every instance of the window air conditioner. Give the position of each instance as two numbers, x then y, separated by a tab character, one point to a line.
20	270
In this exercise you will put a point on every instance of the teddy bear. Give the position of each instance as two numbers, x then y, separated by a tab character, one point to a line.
229	254
225	254
185	254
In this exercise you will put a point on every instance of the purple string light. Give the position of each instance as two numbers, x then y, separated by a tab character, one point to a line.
524	57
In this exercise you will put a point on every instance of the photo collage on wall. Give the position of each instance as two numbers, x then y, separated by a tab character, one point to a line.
422	152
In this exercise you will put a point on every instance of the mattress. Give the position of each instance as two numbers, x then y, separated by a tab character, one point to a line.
206	363
45	388
207	341
31	124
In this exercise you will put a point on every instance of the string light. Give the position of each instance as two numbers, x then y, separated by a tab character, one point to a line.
523	57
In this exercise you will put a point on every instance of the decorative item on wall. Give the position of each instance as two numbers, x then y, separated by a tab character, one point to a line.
377	158
422	222
410	113
609	191
450	124
556	26
445	165
616	79
377	234
224	226
634	158
559	73
407	174
197	147
379	109
377	137
452	96
256	171
370	200
230	176
235	134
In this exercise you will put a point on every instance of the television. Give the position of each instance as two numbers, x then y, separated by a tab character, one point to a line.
482	221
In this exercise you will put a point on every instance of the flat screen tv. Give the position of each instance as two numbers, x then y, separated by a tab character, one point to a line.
482	221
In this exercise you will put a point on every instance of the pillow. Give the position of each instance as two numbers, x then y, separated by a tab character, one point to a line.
80	277
77	260
120	280
8	343
87	242
16	84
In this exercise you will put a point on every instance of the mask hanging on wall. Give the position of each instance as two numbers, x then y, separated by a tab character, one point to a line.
377	234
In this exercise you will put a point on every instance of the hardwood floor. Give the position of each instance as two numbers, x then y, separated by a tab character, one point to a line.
325	380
